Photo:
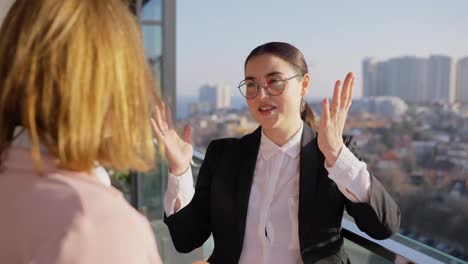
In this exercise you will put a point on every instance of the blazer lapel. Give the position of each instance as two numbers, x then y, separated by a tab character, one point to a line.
248	158
310	164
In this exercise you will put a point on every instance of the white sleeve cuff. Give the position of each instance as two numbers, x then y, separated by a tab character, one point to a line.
178	187
351	176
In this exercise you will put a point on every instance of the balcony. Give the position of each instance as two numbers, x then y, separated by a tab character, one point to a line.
360	247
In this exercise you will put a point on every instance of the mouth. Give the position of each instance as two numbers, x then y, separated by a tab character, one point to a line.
266	110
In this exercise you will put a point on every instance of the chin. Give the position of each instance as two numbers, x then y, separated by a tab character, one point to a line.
267	123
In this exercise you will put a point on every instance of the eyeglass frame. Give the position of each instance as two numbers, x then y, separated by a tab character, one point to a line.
264	86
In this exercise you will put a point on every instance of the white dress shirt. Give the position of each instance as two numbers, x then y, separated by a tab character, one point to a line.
271	232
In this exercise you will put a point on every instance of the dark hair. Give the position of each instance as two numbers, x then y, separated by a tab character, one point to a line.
295	58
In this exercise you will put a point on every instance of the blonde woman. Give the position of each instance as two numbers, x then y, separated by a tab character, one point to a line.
75	83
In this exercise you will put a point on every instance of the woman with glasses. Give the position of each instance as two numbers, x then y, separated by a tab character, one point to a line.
276	195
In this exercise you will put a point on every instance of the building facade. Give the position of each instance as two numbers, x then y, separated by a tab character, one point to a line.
461	94
411	78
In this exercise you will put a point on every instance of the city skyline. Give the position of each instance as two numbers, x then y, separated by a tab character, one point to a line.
432	79
214	38
440	72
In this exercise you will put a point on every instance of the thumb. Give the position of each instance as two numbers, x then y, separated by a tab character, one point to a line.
187	134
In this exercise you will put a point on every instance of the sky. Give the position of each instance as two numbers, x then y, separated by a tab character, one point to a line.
4	7
215	36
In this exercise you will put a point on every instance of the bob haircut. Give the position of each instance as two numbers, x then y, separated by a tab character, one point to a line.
73	74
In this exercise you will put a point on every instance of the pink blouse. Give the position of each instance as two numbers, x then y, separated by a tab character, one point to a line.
67	217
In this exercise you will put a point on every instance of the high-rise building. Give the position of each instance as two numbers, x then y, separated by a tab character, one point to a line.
404	77
217	96
411	78
369	69
224	97
461	94
440	81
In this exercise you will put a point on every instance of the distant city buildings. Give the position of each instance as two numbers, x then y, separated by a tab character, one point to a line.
417	79
384	105
462	80
212	97
219	124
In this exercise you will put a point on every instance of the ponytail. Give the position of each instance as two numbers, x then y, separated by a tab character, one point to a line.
308	116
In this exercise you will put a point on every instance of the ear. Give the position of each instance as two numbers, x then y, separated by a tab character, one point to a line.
305	84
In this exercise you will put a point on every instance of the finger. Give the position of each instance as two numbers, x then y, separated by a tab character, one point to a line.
156	130
336	98
169	120
187	134
351	90
158	119
164	116
325	111
345	91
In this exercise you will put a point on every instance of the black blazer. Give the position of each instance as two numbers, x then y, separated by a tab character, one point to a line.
222	191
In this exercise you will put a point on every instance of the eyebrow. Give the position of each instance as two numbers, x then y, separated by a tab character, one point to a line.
266	75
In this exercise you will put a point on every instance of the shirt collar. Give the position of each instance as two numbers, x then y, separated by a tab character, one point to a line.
292	147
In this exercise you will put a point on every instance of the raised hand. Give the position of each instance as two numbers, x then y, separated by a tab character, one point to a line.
178	151
332	121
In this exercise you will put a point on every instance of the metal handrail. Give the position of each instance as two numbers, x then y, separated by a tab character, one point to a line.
389	248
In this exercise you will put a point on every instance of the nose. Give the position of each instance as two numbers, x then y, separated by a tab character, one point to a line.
262	92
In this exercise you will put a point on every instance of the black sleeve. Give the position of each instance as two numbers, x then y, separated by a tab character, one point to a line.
190	226
380	216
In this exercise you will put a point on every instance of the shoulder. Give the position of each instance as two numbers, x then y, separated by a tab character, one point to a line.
222	148
233	145
63	213
107	219
221	145
97	200
223	142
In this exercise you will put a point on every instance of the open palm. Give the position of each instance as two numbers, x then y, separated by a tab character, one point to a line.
333	119
178	151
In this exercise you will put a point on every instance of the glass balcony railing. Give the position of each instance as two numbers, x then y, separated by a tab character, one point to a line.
397	249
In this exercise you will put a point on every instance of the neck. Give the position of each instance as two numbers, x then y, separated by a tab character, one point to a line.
281	135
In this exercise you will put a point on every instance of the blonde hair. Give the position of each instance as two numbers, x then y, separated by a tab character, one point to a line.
73	73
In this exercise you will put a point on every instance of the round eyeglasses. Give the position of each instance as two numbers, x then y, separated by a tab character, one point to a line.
273	85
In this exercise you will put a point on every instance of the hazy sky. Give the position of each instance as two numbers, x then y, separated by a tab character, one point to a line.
215	36
4	7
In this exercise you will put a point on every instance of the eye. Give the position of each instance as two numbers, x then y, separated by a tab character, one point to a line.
251	85
274	80
275	83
